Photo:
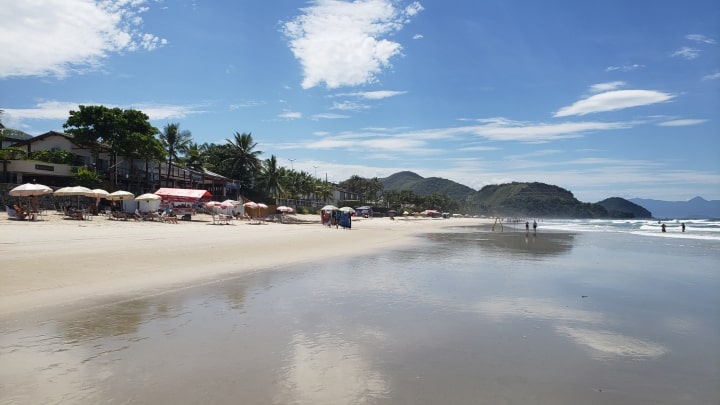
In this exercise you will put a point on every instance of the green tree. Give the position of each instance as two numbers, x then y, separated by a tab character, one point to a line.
175	142
125	131
88	178
243	159
271	178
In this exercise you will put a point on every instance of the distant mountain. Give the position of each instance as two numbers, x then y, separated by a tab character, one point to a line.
425	186
515	199
698	207
621	208
534	200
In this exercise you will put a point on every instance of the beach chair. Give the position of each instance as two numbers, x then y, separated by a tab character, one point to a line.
11	212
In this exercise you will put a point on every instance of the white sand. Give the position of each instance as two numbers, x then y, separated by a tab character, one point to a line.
58	262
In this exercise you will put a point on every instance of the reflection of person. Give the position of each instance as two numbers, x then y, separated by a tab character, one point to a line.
683	226
663	227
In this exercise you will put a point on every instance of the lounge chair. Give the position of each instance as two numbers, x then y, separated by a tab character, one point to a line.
11	212
119	215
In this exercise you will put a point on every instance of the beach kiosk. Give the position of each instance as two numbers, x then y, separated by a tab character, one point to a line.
183	201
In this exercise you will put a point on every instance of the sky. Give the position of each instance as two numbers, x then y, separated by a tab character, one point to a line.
606	99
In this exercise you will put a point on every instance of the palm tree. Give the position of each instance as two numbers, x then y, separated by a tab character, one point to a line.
323	190
175	142
271	178
194	156
243	159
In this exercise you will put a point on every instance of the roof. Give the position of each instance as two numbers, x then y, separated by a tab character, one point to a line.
183	194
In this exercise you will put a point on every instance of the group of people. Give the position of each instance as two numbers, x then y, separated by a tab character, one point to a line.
664	228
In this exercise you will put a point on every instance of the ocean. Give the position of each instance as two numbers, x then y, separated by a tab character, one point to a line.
580	312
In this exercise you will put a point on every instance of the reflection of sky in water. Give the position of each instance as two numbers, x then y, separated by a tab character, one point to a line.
559	319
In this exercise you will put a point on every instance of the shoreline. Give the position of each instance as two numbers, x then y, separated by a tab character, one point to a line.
59	262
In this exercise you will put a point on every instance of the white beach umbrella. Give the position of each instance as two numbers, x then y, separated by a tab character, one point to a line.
148	197
74	190
78	191
30	189
120	195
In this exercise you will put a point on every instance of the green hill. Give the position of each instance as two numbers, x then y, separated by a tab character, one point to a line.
622	208
425	186
533	200
514	199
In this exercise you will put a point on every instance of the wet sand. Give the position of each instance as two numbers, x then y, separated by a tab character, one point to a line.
455	317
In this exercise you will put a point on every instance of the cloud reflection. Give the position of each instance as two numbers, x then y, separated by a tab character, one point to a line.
328	371
500	307
608	345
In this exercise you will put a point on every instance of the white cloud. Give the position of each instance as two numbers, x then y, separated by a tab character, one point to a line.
60	110
712	76
349	106
418	36
603	87
614	100
686	53
60	37
317	117
624	68
290	115
341	43
501	129
681	123
700	38
374	95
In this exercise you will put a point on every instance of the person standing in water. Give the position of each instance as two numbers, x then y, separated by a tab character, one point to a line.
683	226
663	227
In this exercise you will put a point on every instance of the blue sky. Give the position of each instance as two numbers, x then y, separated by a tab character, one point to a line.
609	98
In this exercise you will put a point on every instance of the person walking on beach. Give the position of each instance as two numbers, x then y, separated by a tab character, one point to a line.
534	226
527	226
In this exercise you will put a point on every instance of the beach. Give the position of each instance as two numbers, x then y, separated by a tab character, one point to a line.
58	261
416	311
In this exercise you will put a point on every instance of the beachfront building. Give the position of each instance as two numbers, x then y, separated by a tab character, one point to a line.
61	157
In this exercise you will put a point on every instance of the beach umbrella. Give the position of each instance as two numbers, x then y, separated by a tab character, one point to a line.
148	197
349	210
329	207
285	208
250	204
98	193
77	191
30	189
150	200
74	190
228	203
212	204
120	195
